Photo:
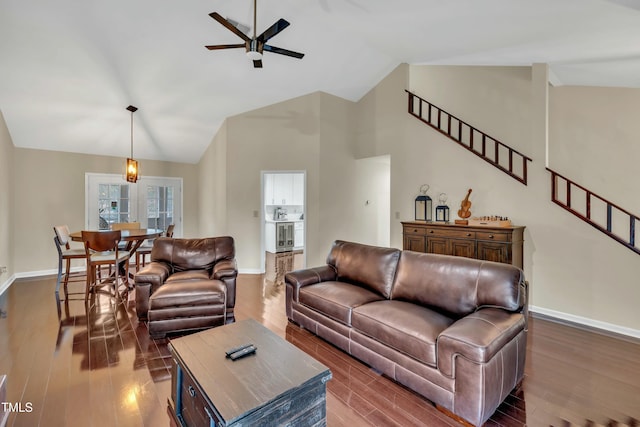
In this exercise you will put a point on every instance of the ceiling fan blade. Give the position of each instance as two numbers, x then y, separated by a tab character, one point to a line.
283	51
225	46
257	63
229	26
273	30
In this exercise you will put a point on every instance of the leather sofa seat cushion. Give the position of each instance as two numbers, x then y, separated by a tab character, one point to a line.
371	267
188	275
336	299
188	293
406	327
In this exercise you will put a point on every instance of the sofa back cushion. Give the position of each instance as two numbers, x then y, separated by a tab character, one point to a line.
371	267
192	254
458	285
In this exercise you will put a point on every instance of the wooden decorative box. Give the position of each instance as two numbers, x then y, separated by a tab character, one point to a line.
490	222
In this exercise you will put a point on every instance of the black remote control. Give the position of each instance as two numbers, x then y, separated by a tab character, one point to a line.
237	349
242	353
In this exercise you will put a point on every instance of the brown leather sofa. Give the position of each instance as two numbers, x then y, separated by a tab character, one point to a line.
453	329
189	284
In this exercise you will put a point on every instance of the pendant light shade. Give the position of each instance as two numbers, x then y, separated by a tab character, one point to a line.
132	169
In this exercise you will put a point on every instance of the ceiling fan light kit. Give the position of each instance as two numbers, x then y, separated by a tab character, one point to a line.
256	45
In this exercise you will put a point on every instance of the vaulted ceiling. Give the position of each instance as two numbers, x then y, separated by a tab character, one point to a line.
69	69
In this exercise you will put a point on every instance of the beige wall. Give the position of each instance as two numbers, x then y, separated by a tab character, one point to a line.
575	271
283	136
212	189
311	133
7	236
50	188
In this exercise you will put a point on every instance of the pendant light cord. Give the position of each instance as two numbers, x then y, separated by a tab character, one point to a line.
132	134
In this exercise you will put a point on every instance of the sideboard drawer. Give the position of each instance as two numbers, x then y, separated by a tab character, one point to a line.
456	234
415	230
499	237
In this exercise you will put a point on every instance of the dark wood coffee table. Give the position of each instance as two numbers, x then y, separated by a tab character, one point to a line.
277	385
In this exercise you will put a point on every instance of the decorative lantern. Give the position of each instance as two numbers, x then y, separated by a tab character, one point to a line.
423	205
442	210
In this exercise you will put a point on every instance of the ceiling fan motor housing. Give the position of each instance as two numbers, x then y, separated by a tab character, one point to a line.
253	51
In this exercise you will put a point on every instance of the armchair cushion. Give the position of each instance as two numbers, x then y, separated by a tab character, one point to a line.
188	275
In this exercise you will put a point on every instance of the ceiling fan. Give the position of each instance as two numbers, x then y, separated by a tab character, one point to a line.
257	44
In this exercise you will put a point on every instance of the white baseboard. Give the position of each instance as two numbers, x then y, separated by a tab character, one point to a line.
584	321
4	286
250	271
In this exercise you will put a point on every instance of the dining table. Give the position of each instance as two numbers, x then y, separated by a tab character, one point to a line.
134	238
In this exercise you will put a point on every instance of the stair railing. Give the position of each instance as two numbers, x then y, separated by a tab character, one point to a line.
612	220
500	155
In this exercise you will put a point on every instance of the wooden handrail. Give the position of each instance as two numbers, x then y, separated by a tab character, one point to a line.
568	204
485	152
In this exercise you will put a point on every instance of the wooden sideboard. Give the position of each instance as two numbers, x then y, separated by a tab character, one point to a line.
500	244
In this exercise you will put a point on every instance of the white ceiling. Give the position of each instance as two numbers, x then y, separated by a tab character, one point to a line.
68	68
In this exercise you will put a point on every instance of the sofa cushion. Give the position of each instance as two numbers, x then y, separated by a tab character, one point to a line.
369	266
457	285
336	299
406	327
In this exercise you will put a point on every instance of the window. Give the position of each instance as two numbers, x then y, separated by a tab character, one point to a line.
155	202
113	204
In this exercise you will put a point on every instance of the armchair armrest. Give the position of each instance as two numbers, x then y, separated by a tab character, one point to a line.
147	281
154	274
477	337
225	269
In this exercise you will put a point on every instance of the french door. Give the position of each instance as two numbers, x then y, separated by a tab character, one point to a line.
154	202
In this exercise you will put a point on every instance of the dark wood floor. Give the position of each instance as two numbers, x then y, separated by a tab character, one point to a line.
100	368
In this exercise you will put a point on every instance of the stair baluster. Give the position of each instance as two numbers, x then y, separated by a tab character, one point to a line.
468	143
569	204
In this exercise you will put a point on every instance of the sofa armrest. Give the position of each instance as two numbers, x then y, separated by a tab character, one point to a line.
310	276
299	278
477	337
225	269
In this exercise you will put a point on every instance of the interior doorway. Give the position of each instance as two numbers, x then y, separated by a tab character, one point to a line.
373	210
283	216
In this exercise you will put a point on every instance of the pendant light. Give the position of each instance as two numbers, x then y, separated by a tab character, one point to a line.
132	171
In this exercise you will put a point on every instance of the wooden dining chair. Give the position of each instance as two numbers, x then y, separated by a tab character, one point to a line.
65	254
145	249
101	249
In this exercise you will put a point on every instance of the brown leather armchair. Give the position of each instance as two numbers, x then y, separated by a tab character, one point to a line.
189	284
